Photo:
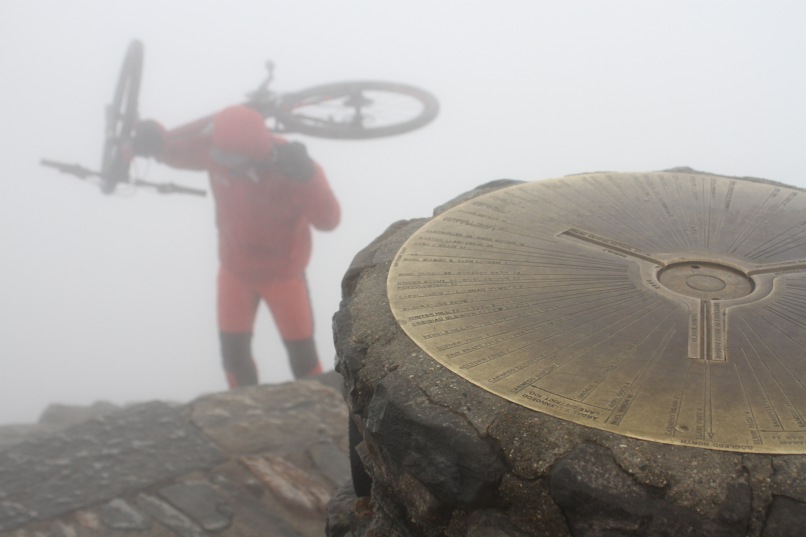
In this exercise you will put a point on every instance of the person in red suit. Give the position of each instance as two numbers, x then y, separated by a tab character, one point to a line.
268	195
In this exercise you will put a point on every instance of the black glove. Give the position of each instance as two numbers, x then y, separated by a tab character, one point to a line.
148	139
293	161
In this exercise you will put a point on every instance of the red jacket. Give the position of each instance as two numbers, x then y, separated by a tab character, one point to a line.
264	225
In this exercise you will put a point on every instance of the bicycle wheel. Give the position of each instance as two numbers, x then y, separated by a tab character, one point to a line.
356	110
121	115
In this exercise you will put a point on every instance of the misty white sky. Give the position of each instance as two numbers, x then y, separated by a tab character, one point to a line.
113	297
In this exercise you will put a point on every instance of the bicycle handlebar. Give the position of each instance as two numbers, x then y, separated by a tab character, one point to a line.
83	173
170	188
73	169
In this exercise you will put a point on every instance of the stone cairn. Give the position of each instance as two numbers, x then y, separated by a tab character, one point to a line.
447	458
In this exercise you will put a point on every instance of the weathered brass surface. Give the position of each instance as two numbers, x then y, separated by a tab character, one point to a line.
669	307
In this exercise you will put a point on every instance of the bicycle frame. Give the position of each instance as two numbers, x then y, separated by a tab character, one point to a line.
341	110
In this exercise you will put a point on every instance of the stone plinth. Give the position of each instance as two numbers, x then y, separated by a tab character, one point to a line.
449	458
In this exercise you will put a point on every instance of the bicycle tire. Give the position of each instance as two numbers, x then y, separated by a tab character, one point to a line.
356	110
121	116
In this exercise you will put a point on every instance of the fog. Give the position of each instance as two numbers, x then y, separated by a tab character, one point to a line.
113	297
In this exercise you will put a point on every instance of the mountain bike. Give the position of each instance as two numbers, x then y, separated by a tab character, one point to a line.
360	109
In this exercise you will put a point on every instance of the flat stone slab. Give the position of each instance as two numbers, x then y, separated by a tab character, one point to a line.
98	460
262	460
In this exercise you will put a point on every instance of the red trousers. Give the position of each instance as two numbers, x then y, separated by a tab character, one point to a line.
287	300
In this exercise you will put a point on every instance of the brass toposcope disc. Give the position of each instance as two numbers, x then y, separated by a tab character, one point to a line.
669	307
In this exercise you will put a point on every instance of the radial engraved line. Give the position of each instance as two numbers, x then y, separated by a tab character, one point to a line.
776	311
792	306
622	407
639	223
604	242
772	414
749	227
534	378
775	355
487	359
670	226
538	323
554	211
576	289
789	246
434	258
796	298
518	316
696	192
687	202
546	297
495	224
704	215
615	218
636	346
529	382
611	217
651	305
725	207
519	332
519	218
543	300
538	255
443	239
548	192
646	212
680	396
501	375
561	259
521	225
796	287
684	204
779	242
695	209
675	196
536	281
796	413
757	438
586	288
542	279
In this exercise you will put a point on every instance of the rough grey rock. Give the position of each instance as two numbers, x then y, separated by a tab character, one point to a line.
99	460
257	461
450	459
202	502
119	515
56	417
169	516
599	498
785	518
59	416
439	449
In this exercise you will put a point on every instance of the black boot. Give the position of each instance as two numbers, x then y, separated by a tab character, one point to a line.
303	357
236	354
